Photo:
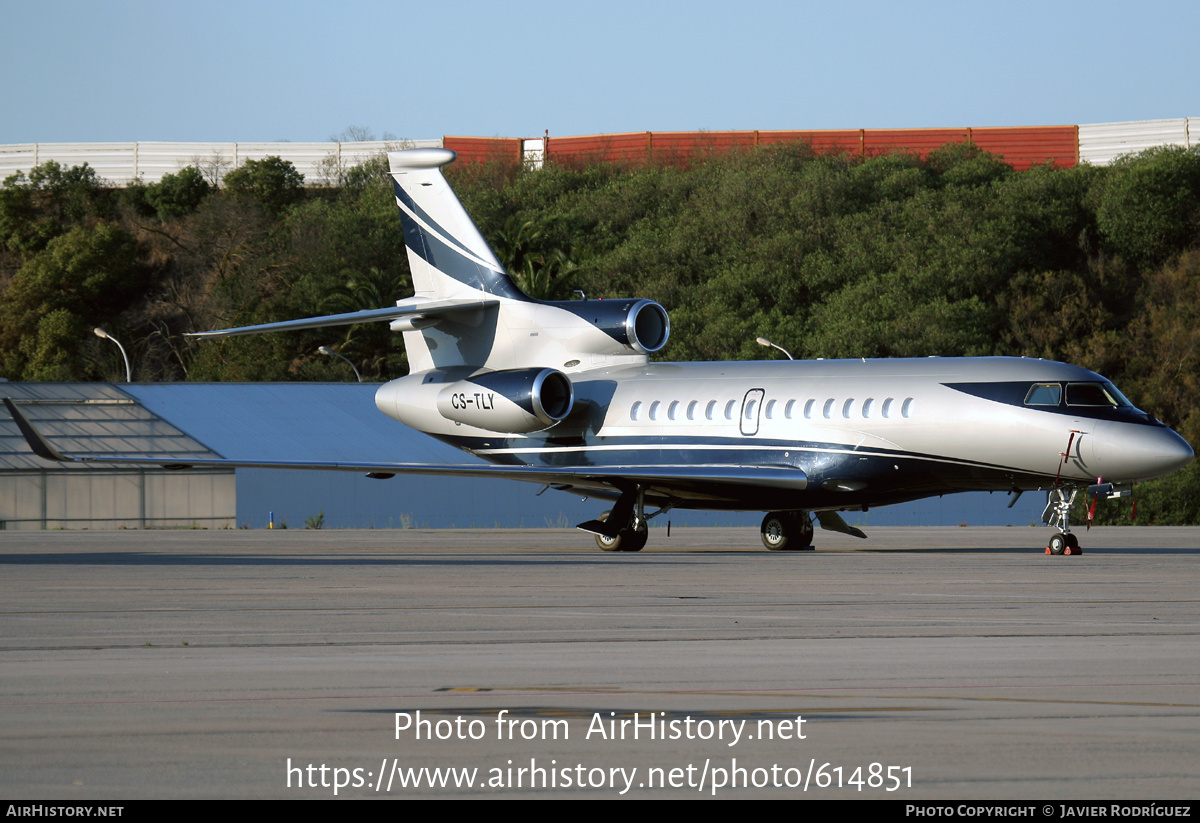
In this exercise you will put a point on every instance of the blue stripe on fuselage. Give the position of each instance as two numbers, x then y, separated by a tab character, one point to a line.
695	450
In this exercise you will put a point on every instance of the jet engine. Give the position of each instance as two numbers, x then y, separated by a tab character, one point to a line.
516	401
642	326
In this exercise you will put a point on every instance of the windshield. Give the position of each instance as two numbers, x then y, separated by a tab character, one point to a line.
1095	394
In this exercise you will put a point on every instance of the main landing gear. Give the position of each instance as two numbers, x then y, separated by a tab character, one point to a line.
630	539
623	528
787	531
1058	515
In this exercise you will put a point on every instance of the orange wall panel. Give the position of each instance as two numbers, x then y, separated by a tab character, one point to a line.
1029	146
921	141
825	141
600	148
484	149
1020	147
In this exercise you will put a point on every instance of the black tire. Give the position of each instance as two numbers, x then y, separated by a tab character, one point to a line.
632	541
786	531
626	540
1058	544
776	531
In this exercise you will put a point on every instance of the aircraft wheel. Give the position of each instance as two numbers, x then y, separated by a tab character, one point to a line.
784	531
1058	544
608	544
1073	545
632	541
627	540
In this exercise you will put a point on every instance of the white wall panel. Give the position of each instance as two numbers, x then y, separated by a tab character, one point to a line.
1102	143
119	163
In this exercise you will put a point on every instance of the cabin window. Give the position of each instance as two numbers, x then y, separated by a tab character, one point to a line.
636	411
691	412
867	404
729	409
751	409
654	410
710	410
887	407
770	410
672	409
789	409
828	410
808	409
1043	394
906	408
847	407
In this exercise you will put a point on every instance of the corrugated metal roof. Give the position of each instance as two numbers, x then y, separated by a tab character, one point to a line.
292	421
88	417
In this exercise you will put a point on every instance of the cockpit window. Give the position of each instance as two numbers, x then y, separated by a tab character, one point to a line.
1095	394
1043	394
1121	399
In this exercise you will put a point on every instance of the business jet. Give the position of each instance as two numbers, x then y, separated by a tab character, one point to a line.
563	394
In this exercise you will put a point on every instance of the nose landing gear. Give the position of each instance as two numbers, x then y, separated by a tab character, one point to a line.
1058	514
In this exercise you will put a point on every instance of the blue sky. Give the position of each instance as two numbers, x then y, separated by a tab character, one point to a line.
260	70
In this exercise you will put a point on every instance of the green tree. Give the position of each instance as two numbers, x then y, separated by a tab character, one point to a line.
273	183
178	194
80	280
38	207
1149	204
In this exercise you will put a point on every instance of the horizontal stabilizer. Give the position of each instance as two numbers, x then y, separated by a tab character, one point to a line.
406	308
33	437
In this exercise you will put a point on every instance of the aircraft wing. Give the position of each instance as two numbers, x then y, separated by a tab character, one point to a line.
691	480
412	308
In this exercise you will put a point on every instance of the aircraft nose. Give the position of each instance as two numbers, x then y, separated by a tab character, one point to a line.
1130	451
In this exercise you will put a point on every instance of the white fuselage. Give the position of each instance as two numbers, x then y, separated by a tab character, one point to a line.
866	432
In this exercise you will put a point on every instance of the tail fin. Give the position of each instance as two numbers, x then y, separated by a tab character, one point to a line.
446	253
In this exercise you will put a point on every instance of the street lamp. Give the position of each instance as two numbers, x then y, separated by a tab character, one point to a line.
102	333
762	341
328	351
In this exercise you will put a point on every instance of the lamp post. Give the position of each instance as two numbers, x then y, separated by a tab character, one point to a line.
762	341
330	352
102	333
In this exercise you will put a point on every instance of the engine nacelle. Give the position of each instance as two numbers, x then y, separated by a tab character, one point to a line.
517	401
640	325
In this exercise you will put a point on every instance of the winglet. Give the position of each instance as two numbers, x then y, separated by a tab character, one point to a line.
33	437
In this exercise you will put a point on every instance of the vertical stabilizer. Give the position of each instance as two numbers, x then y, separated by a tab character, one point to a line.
446	253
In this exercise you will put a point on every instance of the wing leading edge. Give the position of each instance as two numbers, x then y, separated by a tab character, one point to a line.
716	481
413	308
